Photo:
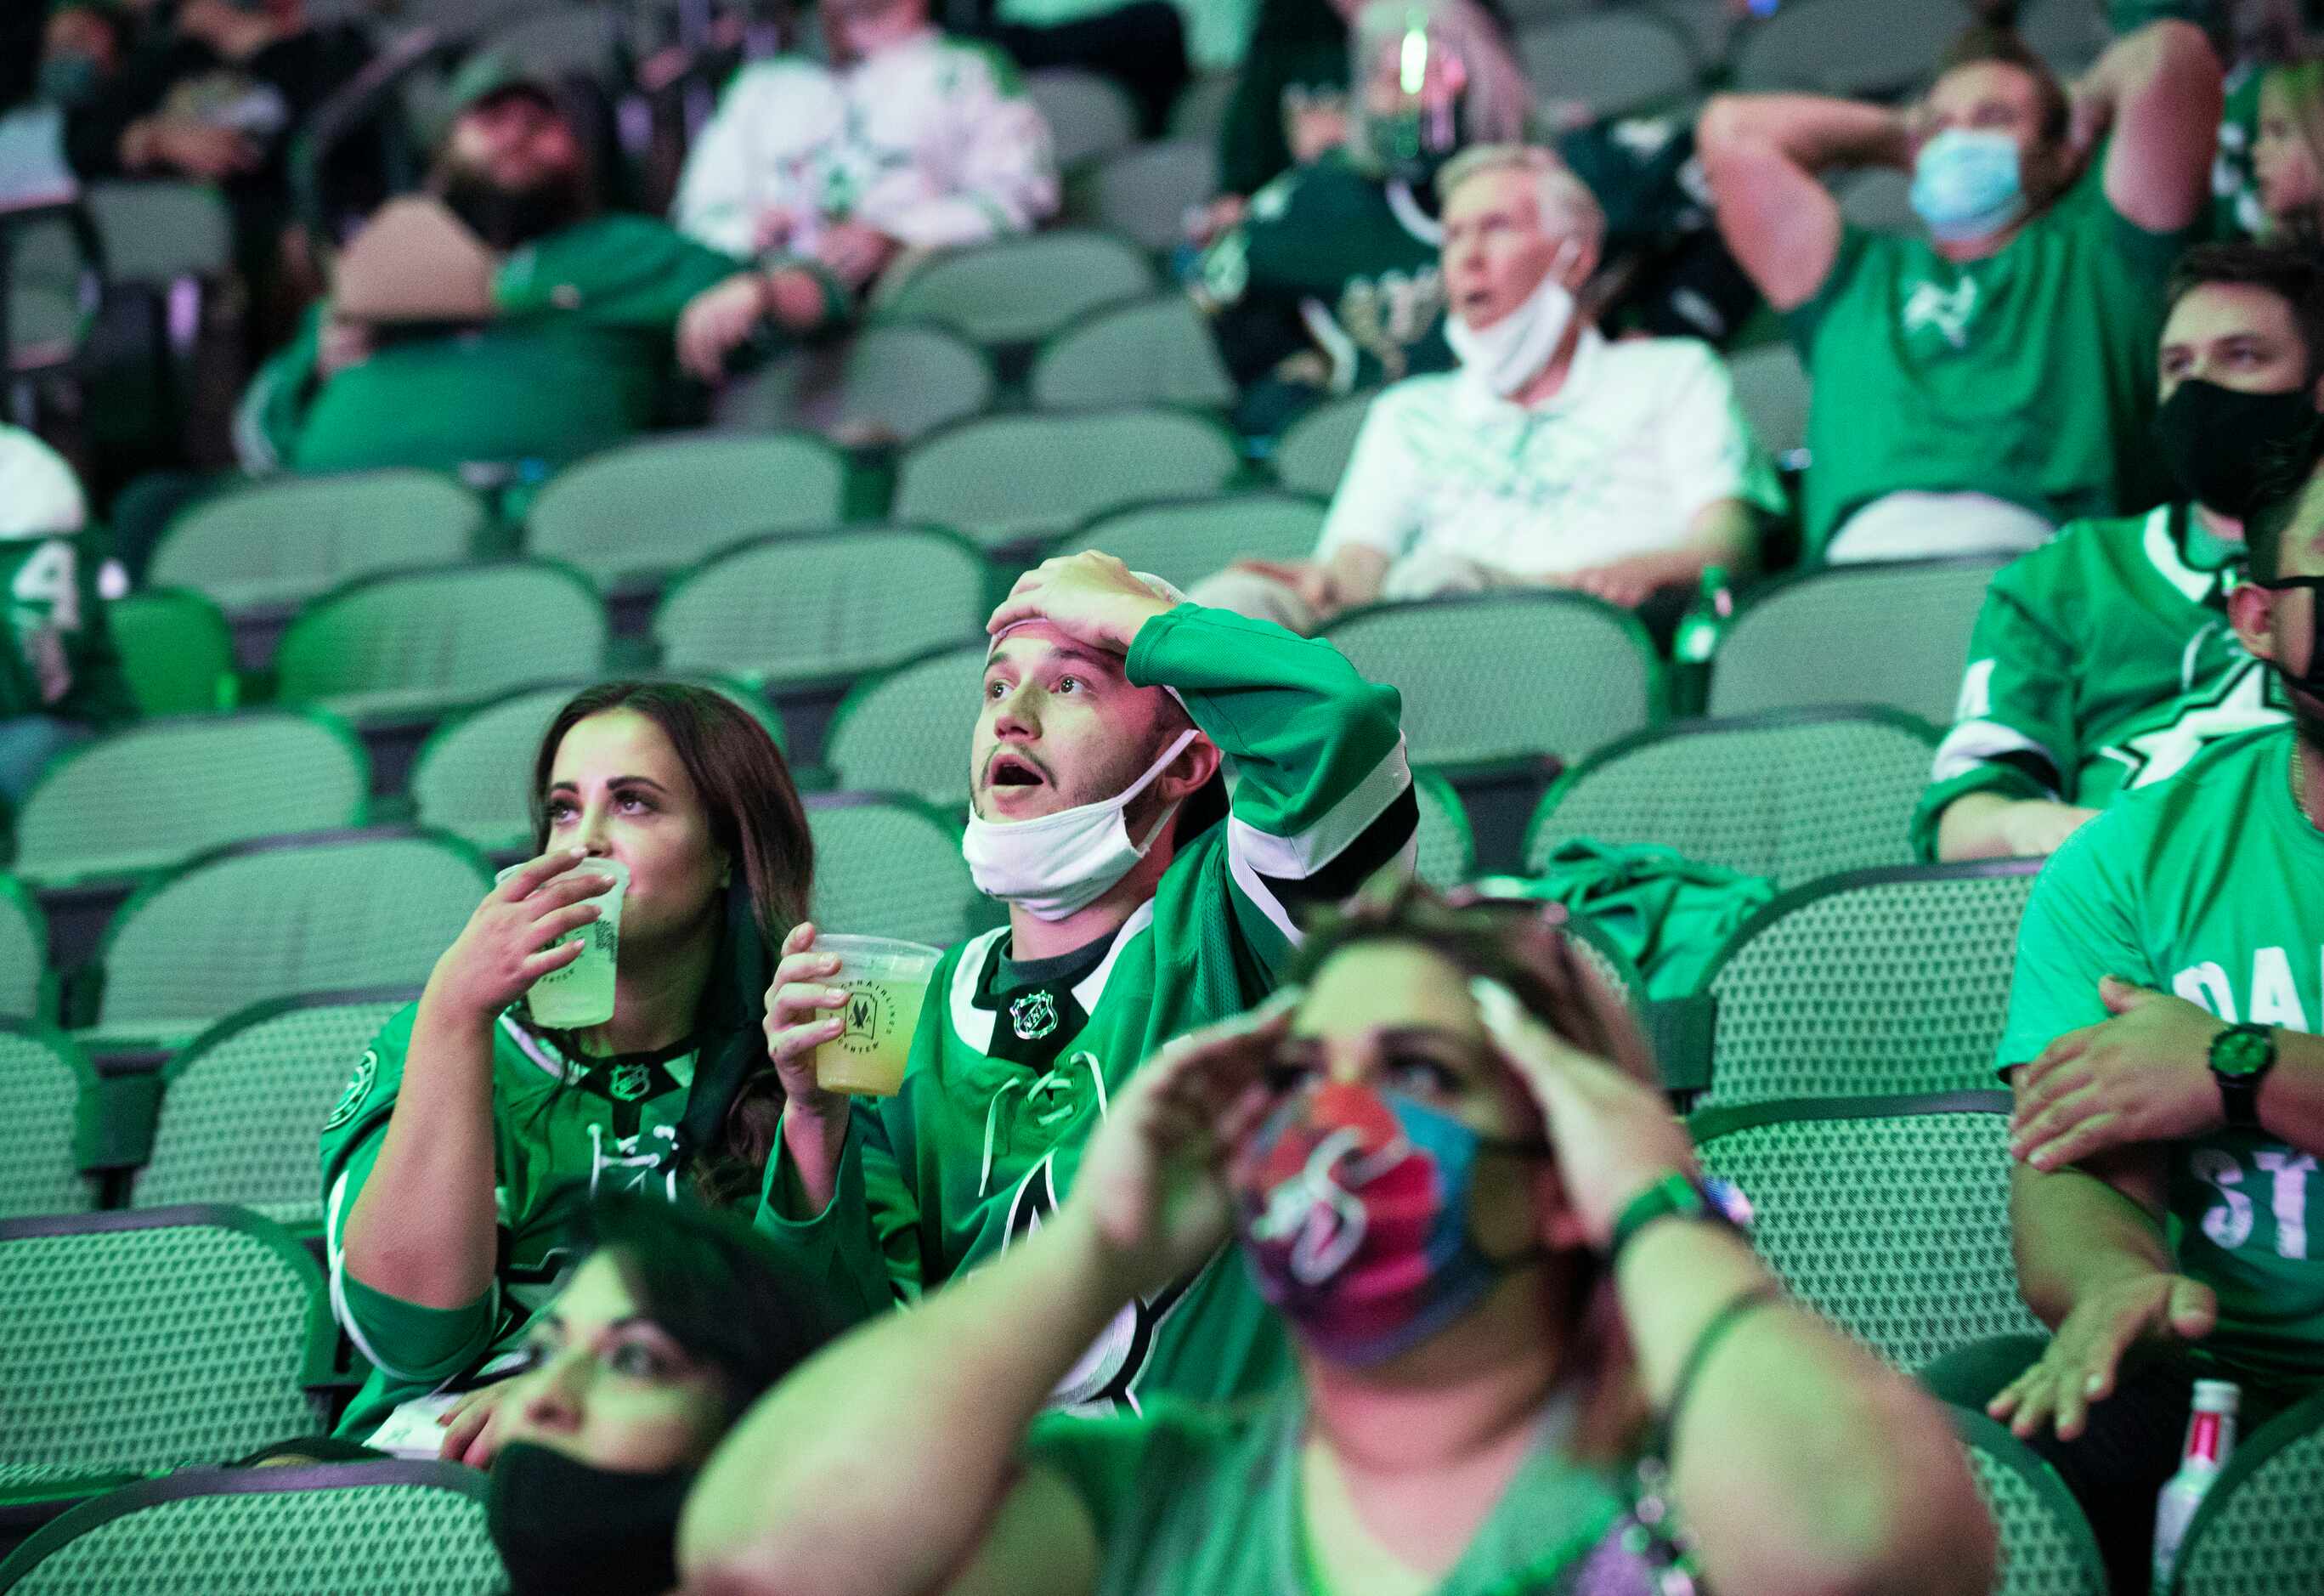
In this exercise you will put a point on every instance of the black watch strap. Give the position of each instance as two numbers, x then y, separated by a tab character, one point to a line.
2240	1057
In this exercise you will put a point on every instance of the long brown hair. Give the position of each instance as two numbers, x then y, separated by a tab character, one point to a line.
1523	947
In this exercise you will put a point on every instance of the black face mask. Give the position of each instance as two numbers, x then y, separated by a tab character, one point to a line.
564	1528
2310	681
2222	445
508	218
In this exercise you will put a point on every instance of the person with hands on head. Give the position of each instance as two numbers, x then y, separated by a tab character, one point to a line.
1141	905
1977	387
1532	1350
2169	1081
449	1162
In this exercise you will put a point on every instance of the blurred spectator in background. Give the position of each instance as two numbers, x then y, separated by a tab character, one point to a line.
2287	158
2103	660
80	50
1979	386
61	681
572	343
904	139
1553	458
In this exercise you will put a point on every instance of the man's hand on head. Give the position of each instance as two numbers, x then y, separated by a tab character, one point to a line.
1092	598
2142	1076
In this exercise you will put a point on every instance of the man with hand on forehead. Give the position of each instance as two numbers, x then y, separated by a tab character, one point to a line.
1142	904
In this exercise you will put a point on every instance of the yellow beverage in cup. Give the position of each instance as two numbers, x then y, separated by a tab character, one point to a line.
885	982
582	993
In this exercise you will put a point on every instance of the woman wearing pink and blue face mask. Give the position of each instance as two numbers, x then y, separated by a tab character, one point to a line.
1446	1165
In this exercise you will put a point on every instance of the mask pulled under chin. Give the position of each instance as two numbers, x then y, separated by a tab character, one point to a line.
564	1527
1053	866
1512	351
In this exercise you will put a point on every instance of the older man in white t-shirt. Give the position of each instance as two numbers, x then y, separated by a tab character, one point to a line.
1553	458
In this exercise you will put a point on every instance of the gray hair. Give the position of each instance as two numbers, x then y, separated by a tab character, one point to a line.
1564	197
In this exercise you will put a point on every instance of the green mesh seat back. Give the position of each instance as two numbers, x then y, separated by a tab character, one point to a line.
1144	192
1793	800
908	731
166	790
889	383
1612	63
1447	849
893	869
1188	540
808	606
391	1536
425	637
1003	478
23	950
1504	677
243	1106
1845	47
46	325
1157	351
276	921
156	232
1771	387
1609	963
176	650
474	775
1894	983
155	1345
1895	1225
2047	1548
41	1075
662	504
1894	634
1312	455
1202	107
293	538
2261	1526
1015	290
1088	115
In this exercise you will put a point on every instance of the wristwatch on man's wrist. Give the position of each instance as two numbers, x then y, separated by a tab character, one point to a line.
2241	1056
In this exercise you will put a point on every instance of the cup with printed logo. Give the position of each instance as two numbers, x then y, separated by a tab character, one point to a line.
885	980
582	993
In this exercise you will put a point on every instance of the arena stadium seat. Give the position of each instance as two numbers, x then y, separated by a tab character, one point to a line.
281	543
2260	1531
402	1528
161	232
242	1106
1881	200
1447	852
1888	1215
1614	62
1876	983
2047	1548
889	383
890	865
176	649
1088	115
1848	47
2066	33
558	41
273	919
1794	794
1771	387
413	643
1609	963
908	729
161	791
1507	676
1312	455
1202	107
1010	479
132	1343
1152	351
627	517
1184	540
1018	290
817	606
1144	192
25	985
43	1080
1894	634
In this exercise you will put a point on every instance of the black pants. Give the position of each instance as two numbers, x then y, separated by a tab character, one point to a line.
2129	1445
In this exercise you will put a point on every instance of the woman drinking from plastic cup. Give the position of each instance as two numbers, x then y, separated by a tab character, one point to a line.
472	1114
1533	1356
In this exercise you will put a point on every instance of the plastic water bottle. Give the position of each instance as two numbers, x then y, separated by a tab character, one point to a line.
1706	620
2211	1441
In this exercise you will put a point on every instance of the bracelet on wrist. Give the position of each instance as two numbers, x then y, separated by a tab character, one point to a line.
1677	1194
1739	1308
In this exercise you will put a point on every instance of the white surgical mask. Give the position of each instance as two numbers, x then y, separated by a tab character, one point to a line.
1967	184
1056	865
1511	353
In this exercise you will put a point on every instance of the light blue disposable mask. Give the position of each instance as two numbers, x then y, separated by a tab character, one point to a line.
1967	184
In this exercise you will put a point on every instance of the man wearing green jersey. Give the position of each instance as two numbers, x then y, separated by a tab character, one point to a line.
2104	660
1140	905
61	680
2164	1035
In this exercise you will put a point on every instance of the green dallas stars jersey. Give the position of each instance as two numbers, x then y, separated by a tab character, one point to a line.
613	1126
2207	886
2101	661
1000	1096
59	658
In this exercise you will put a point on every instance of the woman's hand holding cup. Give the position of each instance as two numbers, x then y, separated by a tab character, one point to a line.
513	938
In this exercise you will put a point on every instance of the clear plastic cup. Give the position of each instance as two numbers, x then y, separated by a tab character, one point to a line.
885	980
582	993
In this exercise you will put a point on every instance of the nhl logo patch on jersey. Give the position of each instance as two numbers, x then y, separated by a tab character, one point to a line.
358	1090
631	1082
1033	1016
